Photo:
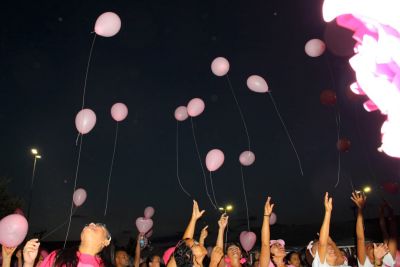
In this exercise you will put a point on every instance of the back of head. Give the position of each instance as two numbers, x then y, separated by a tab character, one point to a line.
183	255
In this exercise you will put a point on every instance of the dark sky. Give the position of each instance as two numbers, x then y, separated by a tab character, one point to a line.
161	59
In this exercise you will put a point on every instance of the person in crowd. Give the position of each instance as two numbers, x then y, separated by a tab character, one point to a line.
293	258
121	258
94	238
153	261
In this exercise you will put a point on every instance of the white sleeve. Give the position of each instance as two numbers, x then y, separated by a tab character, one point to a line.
388	260
316	262
367	263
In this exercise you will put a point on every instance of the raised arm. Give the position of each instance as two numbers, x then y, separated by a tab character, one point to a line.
7	254
196	214
359	199
203	235
222	223
379	252
136	260
30	252
324	232
265	235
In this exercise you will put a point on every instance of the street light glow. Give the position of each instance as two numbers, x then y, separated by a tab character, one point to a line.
38	156
229	207
34	151
367	189
221	208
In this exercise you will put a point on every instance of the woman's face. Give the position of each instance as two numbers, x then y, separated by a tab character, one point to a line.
278	250
234	252
96	234
295	260
331	255
198	250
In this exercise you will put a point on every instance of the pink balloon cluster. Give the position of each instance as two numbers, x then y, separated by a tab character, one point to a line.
79	197
247	240
214	159
145	224
13	230
107	24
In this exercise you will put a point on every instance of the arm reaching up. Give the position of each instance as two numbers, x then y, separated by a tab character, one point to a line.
196	214
324	232
222	223
30	252
203	235
359	199
265	235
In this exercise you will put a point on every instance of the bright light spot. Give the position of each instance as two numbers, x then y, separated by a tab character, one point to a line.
229	207
367	189
221	208
38	156
34	151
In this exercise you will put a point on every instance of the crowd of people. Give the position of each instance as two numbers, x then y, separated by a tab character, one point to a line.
188	252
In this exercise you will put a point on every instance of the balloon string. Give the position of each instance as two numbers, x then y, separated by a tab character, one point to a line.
245	198
201	164
240	110
337	118
213	192
177	161
111	167
56	228
77	139
76	179
287	132
87	71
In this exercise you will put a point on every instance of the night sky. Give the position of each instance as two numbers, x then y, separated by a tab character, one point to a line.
158	61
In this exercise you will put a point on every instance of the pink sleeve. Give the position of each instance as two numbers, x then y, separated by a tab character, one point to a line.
49	260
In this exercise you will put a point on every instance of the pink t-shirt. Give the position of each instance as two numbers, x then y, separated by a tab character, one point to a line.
85	260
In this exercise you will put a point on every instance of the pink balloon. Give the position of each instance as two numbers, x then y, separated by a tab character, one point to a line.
257	84
272	218
247	240
247	158
149	212
195	107
79	196
214	159
314	48
108	24
13	230
119	111
220	66
19	211
181	113
144	225
85	120
149	233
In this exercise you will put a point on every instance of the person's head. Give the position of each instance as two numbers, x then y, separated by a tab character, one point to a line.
95	236
233	251
293	258
331	255
121	258
198	250
310	251
277	248
154	261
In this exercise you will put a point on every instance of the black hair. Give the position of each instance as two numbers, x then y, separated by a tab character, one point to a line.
183	255
68	257
289	255
150	258
233	244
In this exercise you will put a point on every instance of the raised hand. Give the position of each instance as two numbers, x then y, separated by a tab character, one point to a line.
328	203
268	207
359	199
223	221
196	213
7	252
380	251
216	256
30	251
203	234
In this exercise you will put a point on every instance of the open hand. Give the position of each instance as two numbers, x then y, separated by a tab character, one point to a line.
196	213
328	203
359	199
268	207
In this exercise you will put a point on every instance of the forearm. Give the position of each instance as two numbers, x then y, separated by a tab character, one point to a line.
324	231
189	232
360	237
220	238
136	261
265	239
6	262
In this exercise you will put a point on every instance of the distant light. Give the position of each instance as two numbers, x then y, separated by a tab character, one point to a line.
38	156
229	207
34	151
367	189
221	208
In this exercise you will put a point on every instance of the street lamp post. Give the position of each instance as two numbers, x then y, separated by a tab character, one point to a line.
36	156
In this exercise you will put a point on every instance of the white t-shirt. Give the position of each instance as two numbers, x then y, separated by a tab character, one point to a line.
388	261
317	263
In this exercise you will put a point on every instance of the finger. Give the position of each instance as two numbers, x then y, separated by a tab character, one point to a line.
205	228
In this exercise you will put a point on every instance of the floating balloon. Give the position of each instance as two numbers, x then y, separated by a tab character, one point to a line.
247	158
214	159
13	230
181	113
144	225
315	48
391	187
85	120
107	24
257	84
272	218
119	111
343	144
328	97
247	240
220	66
79	197
195	107
149	212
